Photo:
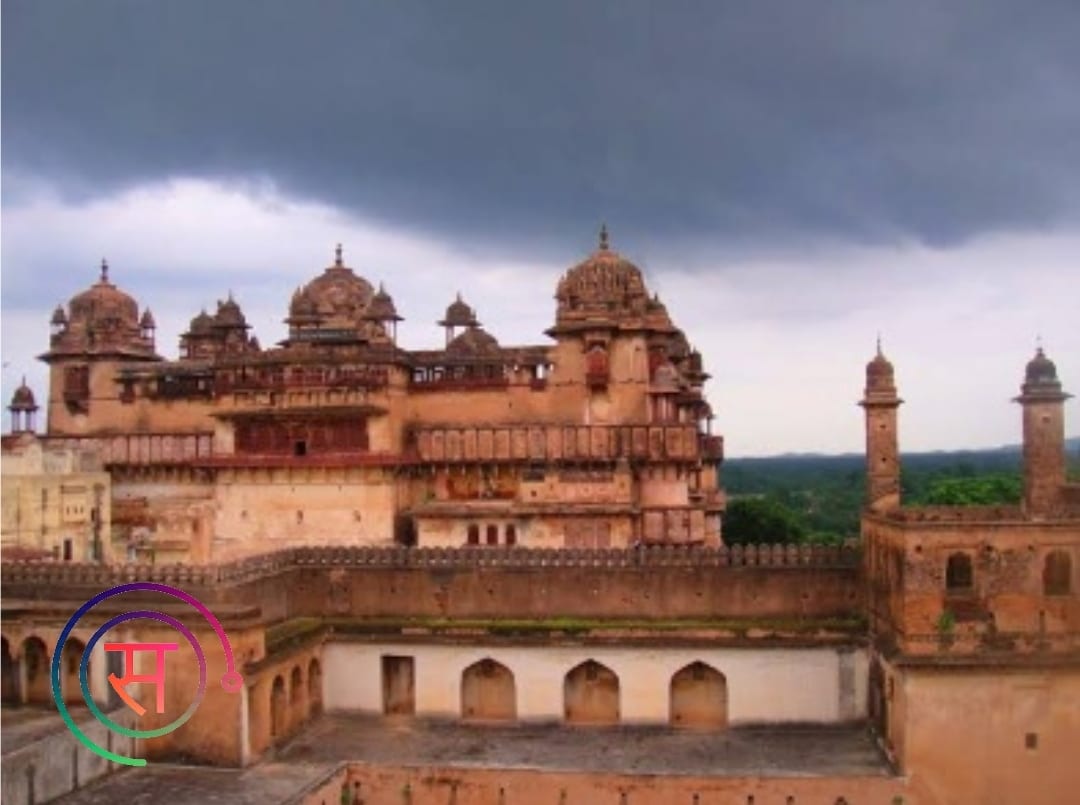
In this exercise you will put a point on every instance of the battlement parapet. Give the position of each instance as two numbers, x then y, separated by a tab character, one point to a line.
779	557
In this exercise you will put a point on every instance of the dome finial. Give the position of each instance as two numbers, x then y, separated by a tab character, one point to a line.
104	270
337	256
879	344
603	237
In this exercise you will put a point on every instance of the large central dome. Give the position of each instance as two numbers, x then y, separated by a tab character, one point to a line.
605	289
334	302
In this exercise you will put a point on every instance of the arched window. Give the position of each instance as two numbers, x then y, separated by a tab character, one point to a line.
511	534
487	692
492	535
591	694
474	534
958	575
1057	573
698	697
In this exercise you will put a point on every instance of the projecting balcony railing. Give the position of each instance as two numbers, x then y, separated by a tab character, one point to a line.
555	443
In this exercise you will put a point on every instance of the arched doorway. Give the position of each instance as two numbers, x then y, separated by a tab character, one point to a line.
699	697
297	708
487	692
10	674
591	694
70	659
314	687
278	709
36	657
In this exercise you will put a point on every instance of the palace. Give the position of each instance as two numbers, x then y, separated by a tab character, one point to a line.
438	539
337	436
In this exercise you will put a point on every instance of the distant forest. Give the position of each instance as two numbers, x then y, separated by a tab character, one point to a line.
817	498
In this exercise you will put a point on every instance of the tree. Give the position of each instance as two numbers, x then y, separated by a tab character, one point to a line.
760	520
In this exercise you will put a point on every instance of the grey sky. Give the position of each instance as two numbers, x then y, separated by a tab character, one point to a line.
792	176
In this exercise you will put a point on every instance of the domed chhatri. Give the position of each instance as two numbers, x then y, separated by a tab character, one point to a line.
101	320
23	409
459	314
382	307
23	398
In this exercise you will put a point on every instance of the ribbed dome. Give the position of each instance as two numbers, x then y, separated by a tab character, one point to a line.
103	305
337	298
607	290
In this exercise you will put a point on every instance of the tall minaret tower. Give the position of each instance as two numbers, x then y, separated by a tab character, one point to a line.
1043	402
882	444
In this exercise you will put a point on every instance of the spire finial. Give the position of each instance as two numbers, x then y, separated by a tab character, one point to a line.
879	344
337	256
1039	343
104	270
603	237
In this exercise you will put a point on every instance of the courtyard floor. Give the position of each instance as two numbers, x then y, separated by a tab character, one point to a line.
796	751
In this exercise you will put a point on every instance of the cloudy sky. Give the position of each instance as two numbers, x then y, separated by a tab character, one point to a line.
793	178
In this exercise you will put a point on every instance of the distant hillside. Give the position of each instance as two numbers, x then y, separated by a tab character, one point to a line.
826	492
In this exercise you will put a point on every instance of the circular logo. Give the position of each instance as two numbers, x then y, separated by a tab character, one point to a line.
231	681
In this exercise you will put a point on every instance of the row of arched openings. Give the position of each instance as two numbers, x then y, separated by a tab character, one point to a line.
591	694
294	698
26	680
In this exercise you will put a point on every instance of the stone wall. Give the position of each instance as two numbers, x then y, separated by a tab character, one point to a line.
44	769
665	582
429	785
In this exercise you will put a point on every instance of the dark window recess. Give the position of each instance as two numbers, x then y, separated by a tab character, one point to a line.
511	535
1057	573
1031	740
492	535
300	448
67	550
958	574
474	535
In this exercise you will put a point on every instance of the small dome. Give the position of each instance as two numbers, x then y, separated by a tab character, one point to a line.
382	307
229	314
202	323
23	399
459	314
474	341
59	318
147	321
879	367
1041	371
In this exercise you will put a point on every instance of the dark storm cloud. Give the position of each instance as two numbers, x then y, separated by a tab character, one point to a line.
743	122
